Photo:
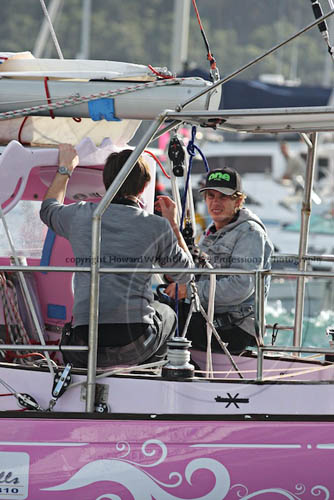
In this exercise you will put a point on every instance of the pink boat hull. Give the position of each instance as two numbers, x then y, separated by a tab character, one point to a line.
148	458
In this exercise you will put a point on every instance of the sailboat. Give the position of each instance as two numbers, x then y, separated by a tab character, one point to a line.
258	425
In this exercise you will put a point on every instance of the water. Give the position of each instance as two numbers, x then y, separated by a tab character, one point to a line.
314	327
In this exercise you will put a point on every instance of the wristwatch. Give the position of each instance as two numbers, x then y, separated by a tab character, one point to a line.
64	171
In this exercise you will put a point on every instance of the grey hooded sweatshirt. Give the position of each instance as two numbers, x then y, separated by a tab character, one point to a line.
241	244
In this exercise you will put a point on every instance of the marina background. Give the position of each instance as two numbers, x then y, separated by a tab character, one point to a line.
143	32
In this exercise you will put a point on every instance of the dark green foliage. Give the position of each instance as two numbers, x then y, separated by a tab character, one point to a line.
140	31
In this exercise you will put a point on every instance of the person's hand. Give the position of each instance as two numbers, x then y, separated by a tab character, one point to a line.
167	207
181	294
68	157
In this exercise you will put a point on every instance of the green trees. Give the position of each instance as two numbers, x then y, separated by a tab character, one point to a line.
140	31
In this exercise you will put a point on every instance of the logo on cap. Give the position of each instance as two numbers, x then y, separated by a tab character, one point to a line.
219	176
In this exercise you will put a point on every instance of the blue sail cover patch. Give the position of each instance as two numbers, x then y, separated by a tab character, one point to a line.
102	109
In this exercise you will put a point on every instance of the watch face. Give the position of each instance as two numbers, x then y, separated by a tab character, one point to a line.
64	170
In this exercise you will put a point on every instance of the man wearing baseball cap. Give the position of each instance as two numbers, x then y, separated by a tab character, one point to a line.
236	238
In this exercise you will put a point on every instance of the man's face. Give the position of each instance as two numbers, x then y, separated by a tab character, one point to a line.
221	207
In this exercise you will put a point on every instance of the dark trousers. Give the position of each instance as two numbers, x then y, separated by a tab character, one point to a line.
124	343
230	333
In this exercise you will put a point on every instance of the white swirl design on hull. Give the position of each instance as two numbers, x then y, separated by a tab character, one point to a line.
300	490
143	485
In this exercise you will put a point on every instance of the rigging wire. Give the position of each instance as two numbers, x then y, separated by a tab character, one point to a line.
52	31
214	72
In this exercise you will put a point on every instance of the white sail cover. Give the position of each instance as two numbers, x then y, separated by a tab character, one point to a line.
25	65
45	130
110	98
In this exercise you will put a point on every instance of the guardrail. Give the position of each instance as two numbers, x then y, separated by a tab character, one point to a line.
259	276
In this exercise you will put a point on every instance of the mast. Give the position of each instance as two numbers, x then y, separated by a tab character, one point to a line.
179	54
85	30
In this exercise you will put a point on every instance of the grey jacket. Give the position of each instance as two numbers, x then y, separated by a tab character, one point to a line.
241	244
131	238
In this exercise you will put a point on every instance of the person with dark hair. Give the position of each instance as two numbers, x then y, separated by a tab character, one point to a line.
236	238
135	183
133	328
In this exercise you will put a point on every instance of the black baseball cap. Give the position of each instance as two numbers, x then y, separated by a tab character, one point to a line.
225	180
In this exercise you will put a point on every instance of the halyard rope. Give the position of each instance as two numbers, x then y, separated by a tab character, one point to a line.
213	66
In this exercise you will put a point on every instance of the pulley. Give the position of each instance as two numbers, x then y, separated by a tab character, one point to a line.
61	382
176	154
